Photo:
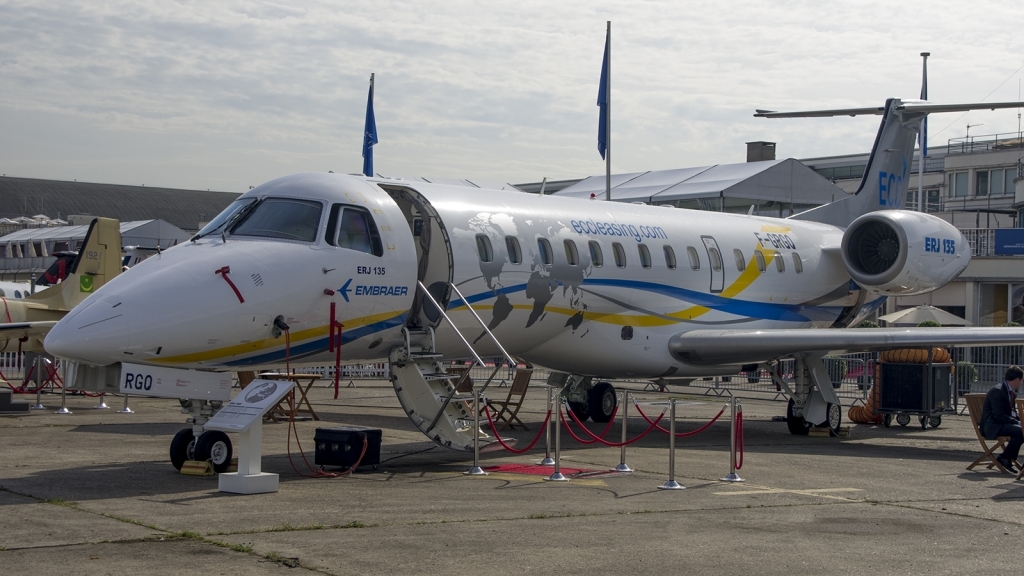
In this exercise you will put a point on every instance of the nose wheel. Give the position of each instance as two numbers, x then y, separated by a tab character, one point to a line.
214	446
183	447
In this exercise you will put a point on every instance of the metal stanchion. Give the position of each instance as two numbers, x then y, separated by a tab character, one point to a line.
39	384
671	484
103	403
126	409
557	476
63	408
476	470
622	467
548	461
733	477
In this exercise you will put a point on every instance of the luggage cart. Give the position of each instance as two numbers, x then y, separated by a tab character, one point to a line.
914	389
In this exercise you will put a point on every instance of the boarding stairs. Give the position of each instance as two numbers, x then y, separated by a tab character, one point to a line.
428	393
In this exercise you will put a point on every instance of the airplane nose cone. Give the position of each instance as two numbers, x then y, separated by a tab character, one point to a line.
95	333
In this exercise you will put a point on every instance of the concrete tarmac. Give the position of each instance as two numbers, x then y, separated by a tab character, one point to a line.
93	492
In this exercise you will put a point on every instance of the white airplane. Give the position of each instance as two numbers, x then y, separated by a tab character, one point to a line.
592	290
15	290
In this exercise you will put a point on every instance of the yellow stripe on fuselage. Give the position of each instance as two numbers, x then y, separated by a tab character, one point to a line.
267	343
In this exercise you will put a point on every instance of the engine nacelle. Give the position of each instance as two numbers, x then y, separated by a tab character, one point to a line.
901	253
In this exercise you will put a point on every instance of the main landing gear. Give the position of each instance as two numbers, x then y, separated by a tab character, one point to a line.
587	399
211	446
812	398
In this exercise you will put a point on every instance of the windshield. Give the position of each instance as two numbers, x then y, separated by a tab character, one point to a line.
285	218
229	213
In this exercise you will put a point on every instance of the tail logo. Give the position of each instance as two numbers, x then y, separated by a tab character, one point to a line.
889	184
85	284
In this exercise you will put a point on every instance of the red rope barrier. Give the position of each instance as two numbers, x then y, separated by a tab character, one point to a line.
601	440
487	410
681	434
739	440
593	438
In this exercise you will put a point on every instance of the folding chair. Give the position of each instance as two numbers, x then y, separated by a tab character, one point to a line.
507	410
975	404
245	378
1020	406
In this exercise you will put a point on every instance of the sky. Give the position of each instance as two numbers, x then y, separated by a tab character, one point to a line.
229	94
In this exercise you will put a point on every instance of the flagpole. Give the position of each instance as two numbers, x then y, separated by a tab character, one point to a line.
608	117
923	145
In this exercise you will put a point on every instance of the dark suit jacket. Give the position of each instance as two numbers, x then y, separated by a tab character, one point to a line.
998	411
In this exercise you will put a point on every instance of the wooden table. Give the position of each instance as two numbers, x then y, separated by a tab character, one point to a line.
281	410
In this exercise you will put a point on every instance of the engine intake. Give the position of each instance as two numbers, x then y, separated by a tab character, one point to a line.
897	252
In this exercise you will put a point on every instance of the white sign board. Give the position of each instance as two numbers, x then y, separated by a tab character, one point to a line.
249	405
161	382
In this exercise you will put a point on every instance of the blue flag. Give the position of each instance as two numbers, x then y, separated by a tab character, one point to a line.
369	134
602	102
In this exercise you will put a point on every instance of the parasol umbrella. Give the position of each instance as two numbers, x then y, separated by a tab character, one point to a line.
917	314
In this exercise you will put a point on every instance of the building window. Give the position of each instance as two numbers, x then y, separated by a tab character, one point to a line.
572	256
645	255
691	252
546	256
620	255
958	184
759	259
981	183
993	304
483	247
596	256
515	254
670	257
798	264
741	262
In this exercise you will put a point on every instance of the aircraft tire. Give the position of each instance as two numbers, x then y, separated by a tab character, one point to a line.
214	446
601	401
797	425
834	413
182	447
581	410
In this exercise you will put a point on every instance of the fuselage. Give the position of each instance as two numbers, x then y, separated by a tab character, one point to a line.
587	287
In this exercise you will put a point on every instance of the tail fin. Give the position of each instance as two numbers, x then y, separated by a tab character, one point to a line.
884	186
98	262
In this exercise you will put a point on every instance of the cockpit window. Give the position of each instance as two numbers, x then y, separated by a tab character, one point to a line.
353	228
285	218
225	218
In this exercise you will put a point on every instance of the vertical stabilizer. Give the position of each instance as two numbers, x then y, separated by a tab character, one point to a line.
886	178
98	262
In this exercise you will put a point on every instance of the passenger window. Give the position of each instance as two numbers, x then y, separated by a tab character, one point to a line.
354	229
546	256
645	255
798	264
596	256
670	257
515	254
780	264
483	247
741	262
620	255
572	256
282	218
716	259
2	293
691	252
759	258
17	293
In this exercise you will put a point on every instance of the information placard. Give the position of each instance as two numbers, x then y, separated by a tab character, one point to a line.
249	405
160	382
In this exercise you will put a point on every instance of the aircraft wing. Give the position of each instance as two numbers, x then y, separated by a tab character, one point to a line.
709	347
15	330
922	107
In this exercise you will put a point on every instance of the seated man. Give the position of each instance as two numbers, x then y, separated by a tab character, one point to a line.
1000	418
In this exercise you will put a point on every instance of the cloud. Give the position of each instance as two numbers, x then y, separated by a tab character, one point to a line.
229	94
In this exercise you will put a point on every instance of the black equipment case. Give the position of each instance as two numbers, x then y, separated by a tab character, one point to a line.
341	446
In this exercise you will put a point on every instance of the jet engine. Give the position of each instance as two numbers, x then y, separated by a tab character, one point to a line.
901	253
